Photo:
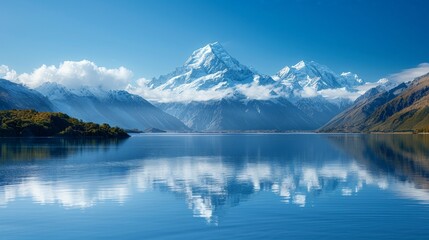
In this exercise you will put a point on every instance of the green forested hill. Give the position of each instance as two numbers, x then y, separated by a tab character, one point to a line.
30	123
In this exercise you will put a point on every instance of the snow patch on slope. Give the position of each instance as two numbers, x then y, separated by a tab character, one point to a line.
210	73
311	79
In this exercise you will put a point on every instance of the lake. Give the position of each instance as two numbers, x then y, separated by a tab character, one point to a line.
216	186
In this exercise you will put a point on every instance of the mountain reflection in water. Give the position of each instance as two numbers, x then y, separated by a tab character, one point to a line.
28	149
213	172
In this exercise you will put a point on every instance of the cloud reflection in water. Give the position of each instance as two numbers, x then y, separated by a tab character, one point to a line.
210	183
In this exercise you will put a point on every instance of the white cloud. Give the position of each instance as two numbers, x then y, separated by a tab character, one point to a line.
188	92
393	80
183	94
411	73
389	82
368	85
255	91
7	73
308	92
330	94
337	93
75	74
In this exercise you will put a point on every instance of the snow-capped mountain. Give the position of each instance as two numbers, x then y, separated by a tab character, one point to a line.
210	67
214	91
237	103
117	108
315	76
317	90
16	96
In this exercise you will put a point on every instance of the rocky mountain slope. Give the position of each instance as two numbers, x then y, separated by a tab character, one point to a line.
403	108
213	91
117	108
16	96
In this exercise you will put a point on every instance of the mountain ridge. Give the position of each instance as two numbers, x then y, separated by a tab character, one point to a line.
116	107
229	115
210	70
17	96
402	108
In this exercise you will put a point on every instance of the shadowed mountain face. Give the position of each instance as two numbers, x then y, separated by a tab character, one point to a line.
230	114
117	108
320	110
212	91
16	96
403	108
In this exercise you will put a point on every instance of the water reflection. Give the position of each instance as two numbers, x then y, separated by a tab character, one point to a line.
22	149
402	157
209	186
405	156
316	165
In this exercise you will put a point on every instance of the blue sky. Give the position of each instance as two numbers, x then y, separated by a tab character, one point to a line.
371	38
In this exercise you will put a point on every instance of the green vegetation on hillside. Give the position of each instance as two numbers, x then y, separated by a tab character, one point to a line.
401	109
409	111
30	123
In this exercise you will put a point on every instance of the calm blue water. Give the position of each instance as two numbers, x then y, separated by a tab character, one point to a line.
244	186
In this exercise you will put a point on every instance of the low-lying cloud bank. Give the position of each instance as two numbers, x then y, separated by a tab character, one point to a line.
7	73
142	87
75	74
72	74
410	73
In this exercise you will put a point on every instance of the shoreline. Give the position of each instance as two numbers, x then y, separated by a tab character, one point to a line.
294	132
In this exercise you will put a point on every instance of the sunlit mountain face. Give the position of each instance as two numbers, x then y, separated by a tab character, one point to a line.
403	108
215	175
213	91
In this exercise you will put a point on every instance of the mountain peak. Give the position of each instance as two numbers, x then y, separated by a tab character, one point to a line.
215	46
300	65
210	68
210	56
309	64
352	78
282	73
316	76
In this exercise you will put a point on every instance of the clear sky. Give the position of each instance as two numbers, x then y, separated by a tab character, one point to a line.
152	37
